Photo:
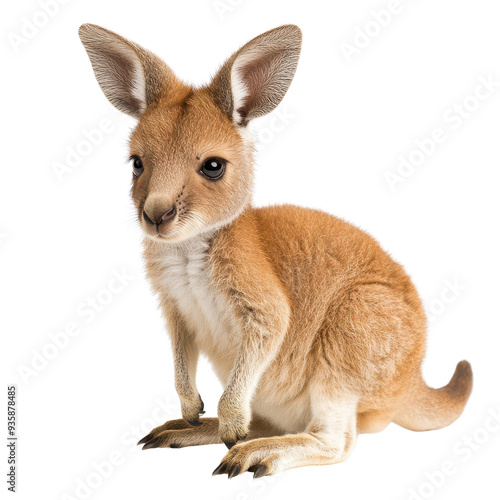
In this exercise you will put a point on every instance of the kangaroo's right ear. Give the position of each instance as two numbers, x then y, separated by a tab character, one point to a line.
131	77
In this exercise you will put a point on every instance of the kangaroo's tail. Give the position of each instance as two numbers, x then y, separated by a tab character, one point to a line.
427	409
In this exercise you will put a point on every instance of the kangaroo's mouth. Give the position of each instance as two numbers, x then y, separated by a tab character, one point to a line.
163	227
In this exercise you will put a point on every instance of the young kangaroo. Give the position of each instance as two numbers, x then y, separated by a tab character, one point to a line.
314	331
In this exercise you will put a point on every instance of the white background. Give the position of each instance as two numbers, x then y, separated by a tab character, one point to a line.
345	125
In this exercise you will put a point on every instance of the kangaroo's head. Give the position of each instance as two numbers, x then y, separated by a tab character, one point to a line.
190	151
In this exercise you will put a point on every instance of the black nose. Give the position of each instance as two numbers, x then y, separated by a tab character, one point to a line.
159	216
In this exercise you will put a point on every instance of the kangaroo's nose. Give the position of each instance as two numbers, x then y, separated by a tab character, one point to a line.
157	214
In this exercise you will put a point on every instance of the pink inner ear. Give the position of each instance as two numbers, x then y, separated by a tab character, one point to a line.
121	68
261	77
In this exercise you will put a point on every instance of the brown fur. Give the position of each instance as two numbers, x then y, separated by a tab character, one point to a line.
315	332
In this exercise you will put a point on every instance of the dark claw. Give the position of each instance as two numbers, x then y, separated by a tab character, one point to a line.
234	471
202	406
220	470
145	439
229	444
260	471
174	445
151	444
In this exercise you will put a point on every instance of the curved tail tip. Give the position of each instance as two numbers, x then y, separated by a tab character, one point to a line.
461	383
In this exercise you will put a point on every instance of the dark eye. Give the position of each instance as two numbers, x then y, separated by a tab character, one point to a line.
137	167
213	168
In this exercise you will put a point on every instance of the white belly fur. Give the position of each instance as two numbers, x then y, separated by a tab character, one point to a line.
186	279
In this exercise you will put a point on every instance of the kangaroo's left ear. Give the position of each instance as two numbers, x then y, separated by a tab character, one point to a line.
254	80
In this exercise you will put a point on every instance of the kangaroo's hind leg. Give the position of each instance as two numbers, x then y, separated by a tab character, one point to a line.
329	438
179	433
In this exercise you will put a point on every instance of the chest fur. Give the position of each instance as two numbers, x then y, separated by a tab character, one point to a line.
186	278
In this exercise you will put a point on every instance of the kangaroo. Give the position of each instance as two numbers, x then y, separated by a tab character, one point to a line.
314	331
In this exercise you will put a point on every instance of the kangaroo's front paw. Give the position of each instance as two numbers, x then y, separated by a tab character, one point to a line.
192	409
234	423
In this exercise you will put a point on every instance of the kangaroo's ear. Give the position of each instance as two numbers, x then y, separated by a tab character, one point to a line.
255	79
131	77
